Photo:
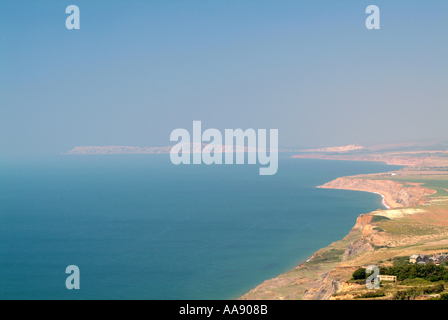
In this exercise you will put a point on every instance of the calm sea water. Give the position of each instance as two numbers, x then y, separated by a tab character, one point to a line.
139	227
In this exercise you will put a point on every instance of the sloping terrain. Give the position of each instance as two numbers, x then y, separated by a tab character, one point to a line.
418	223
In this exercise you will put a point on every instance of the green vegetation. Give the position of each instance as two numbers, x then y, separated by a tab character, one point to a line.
363	282
359	274
339	294
411	293
332	255
429	272
400	261
372	294
420	278
436	183
415	282
407	272
409	228
443	296
379	218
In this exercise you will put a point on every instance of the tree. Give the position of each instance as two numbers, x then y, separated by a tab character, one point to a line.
359	274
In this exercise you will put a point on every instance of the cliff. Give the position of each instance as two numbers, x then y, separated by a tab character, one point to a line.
376	237
389	159
359	241
395	194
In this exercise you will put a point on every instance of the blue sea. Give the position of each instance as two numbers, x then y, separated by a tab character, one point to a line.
139	227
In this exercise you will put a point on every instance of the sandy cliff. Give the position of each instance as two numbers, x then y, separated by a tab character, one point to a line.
395	195
389	159
334	279
327	271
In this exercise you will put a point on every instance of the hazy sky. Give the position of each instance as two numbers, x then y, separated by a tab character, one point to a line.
137	70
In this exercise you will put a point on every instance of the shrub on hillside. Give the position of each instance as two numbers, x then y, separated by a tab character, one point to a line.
444	296
411	293
373	294
435	289
359	274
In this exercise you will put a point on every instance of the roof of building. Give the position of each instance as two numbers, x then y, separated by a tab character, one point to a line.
415	256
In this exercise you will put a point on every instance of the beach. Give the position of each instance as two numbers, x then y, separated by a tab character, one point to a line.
384	200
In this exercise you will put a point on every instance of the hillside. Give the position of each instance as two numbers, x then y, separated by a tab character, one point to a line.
416	223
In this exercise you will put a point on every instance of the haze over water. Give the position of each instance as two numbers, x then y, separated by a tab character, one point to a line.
139	227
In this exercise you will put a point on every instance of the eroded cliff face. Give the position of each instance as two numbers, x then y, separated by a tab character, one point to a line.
357	247
327	271
332	281
325	290
362	221
395	195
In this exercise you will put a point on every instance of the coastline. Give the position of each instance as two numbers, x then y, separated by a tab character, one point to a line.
323	273
319	271
383	201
